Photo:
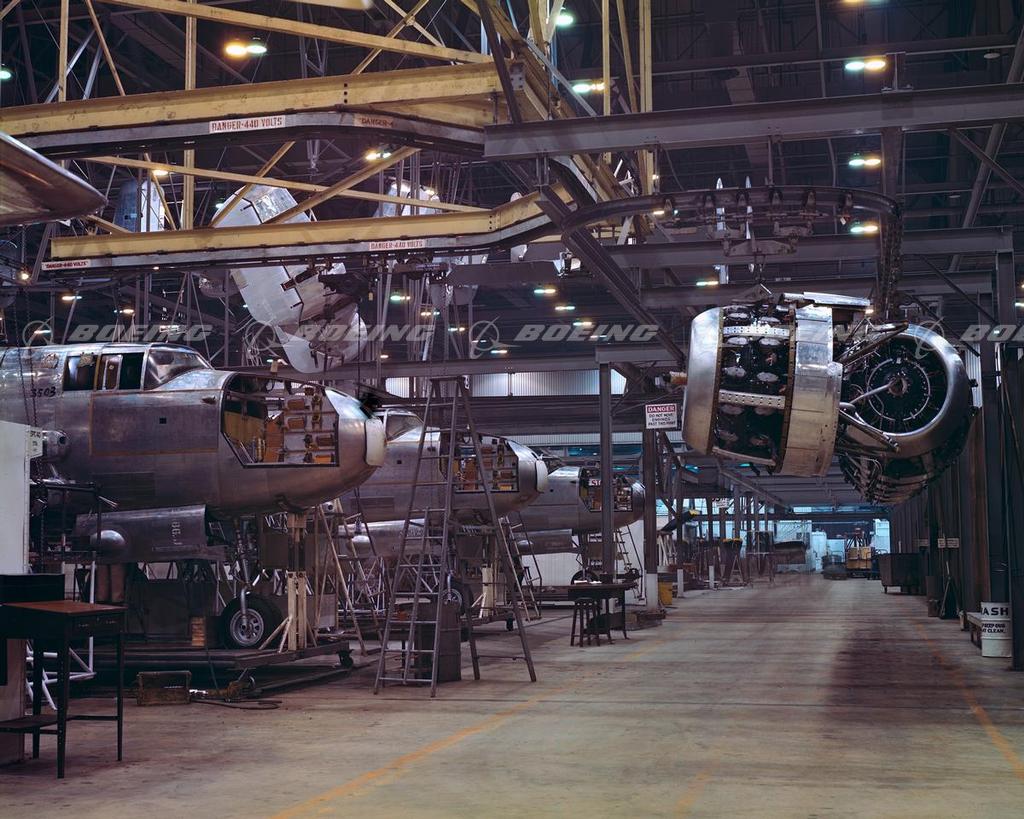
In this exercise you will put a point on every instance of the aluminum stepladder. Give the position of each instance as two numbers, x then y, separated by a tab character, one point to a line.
427	560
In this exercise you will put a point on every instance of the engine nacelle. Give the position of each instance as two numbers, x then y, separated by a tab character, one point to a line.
771	383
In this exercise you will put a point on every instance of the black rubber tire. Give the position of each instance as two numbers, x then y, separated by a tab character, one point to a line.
267	615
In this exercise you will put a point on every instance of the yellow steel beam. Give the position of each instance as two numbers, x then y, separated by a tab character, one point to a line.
413	22
188	188
62	51
421	85
627	54
408	17
263	22
103	223
236	197
297	234
8	8
347	5
371	169
468	113
259	179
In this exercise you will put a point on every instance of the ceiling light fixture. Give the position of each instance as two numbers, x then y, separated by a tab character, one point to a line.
863	227
160	173
545	290
236	49
256	47
565	308
867	64
587	87
375	155
707	283
5	73
564	19
69	297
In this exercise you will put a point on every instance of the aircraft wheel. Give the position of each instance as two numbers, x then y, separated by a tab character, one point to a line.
249	631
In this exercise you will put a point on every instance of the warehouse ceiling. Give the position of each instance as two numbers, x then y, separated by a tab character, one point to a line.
704	53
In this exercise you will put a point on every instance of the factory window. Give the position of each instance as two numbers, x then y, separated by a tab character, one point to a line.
80	373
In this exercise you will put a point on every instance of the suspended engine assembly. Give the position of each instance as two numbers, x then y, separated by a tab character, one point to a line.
791	380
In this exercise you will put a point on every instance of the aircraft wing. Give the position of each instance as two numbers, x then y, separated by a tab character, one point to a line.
34	189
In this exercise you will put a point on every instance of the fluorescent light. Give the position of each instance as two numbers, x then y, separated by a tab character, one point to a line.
707	282
988	55
456	329
127	311
500	351
374	155
41	331
384	356
564	19
5	73
399	297
856	161
855	65
587	87
872	161
869	311
565	308
69	297
658	212
1019	305
236	48
863	227
655	177
583	323
160	172
256	47
875	64
545	290
24	275
429	313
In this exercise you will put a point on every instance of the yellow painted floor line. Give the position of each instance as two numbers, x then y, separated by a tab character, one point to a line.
321	803
998	739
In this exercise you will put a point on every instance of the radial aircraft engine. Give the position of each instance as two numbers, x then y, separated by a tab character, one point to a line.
789	381
175	444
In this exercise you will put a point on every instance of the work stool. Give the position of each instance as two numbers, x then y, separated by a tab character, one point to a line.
585	610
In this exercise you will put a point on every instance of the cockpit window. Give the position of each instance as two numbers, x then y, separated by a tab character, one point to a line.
80	373
121	371
165	364
398	422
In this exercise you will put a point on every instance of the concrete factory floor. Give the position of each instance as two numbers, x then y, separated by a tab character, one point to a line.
808	698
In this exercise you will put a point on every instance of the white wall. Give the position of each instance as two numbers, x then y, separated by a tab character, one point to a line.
15	446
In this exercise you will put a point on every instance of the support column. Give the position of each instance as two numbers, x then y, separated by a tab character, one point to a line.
1012	453
650	462
607	473
998	577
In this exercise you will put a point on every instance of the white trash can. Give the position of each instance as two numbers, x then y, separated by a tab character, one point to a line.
995	630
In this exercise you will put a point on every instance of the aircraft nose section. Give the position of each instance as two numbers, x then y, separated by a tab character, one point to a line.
361	440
